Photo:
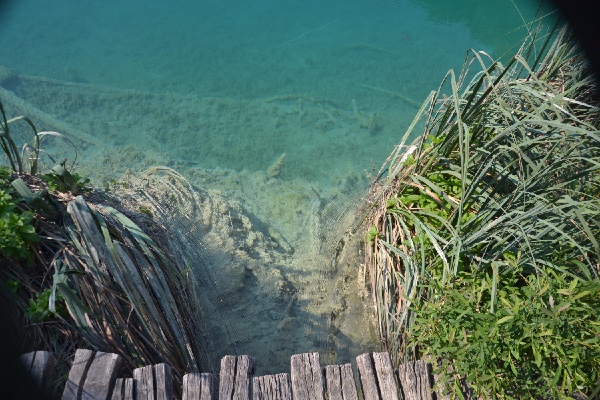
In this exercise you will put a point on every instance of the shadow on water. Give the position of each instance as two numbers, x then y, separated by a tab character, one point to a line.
261	296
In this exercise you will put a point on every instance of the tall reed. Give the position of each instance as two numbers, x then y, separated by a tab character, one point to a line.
504	179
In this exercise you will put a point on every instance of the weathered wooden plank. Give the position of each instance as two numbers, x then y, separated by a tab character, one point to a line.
340	382
368	378
386	380
208	387
227	377
245	368
40	366
348	383
333	381
118	390
123	389
272	387
143	382
199	387
416	380
26	360
101	376
235	380
307	378
128	390
190	389
163	382
81	363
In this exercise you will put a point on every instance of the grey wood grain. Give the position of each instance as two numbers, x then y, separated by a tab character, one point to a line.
208	386
143	382
77	373
128	389
386	379
118	390
40	366
416	380
348	382
235	380
368	379
245	368
163	382
307	378
26	360
272	387
227	377
190	389
123	389
101	376
340	382
333	381
199	387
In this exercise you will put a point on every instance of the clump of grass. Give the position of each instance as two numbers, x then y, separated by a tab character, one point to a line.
78	272
487	225
29	153
144	310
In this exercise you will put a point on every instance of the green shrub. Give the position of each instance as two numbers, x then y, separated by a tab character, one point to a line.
543	338
483	249
59	179
16	231
44	306
38	310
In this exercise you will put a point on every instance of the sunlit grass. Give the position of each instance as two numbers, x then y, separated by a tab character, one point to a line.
503	181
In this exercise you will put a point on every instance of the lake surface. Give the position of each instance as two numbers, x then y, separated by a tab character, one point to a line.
375	59
285	107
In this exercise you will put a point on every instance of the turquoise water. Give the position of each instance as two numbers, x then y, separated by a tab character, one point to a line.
368	55
282	110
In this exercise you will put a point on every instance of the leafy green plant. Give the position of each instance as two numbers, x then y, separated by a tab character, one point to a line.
16	231
145	210
541	340
497	196
5	176
39	309
29	154
59	179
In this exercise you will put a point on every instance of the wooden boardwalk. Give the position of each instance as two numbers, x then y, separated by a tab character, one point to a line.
95	375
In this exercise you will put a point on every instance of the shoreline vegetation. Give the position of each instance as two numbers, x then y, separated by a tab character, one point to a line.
78	273
482	244
481	240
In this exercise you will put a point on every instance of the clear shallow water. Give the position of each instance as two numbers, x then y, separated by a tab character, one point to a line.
356	54
221	90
